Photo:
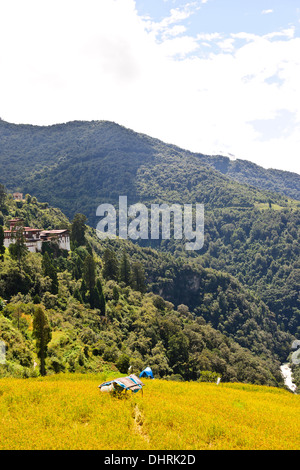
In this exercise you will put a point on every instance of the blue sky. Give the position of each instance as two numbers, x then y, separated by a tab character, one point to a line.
228	16
212	76
225	17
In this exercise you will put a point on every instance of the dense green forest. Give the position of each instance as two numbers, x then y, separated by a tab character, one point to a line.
260	248
241	287
79	165
131	325
249	173
250	234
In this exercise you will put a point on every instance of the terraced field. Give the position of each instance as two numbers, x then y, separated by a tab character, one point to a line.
70	412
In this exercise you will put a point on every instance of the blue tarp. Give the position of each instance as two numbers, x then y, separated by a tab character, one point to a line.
126	383
147	373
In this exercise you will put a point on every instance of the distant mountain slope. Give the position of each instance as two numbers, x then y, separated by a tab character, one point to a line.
78	165
243	171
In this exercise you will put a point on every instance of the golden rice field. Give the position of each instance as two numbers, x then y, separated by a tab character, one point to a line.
70	412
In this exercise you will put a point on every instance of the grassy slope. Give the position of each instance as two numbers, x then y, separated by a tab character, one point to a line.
69	412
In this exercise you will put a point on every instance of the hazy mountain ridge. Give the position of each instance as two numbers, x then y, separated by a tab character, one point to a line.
244	171
78	165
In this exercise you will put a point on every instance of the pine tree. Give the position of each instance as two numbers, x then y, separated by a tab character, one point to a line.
2	195
77	295
2	247
77	267
89	272
99	286
125	269
78	229
115	294
138	281
36	299
18	249
102	304
42	334
110	265
83	290
50	271
97	299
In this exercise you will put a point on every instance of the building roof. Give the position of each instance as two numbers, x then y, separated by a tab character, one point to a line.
26	229
53	232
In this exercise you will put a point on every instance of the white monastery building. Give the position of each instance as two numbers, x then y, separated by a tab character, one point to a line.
34	237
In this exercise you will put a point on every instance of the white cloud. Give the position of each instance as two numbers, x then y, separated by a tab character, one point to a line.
288	33
176	15
266	12
226	45
176	30
61	61
209	36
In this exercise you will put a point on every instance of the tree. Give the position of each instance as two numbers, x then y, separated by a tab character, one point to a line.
102	303
18	249
36	299
178	352
99	286
138	277
110	265
50	271
94	298
123	363
78	229
77	295
2	195
77	266
97	299
89	272
89	279
2	247
125	269
115	294
42	334
83	290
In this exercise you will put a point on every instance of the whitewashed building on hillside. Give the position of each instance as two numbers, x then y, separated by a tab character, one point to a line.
34	238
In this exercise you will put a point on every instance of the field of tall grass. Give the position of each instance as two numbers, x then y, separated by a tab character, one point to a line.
70	412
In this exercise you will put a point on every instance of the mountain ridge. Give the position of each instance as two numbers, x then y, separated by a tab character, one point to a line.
249	233
41	145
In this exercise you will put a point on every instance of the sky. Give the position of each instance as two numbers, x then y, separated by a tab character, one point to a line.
220	77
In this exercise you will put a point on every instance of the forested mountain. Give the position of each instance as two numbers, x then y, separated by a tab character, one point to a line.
130	326
243	171
79	165
243	283
260	248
